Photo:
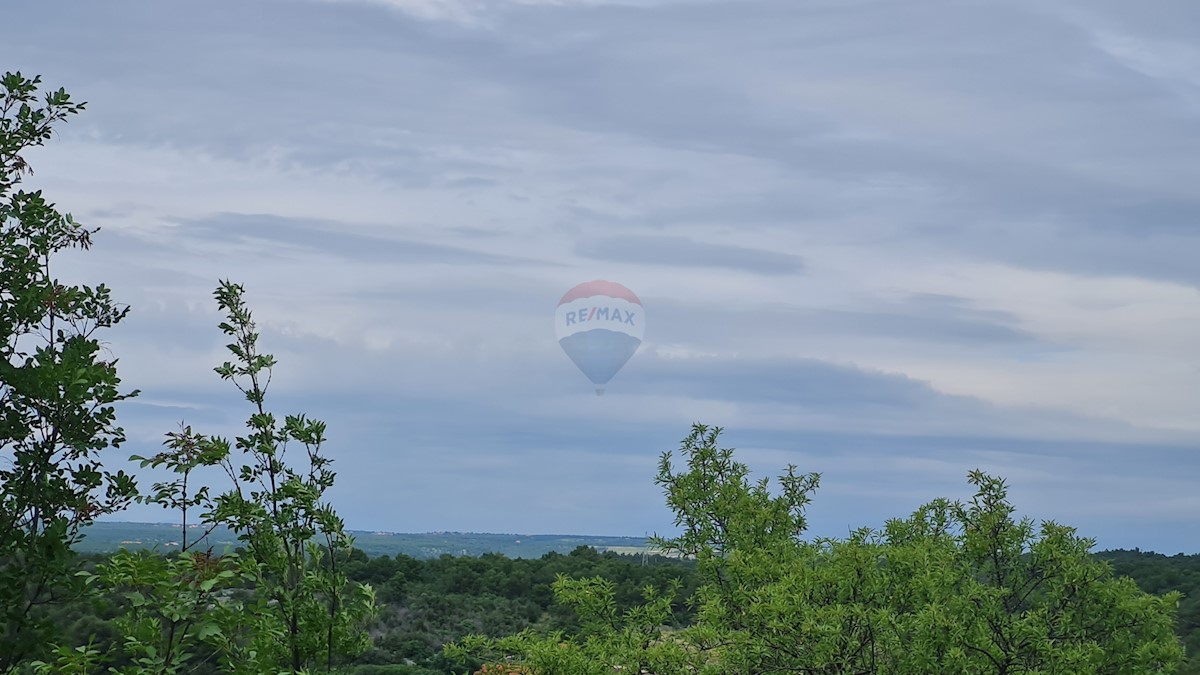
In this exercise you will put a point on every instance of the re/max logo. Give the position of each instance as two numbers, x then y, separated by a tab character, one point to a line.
599	314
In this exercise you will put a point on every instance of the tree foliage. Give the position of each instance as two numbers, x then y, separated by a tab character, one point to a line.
57	396
297	610
281	604
309	614
958	587
1161	574
423	604
57	386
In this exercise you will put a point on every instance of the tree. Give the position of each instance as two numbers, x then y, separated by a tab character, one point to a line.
297	545
955	588
283	604
180	612
306	612
634	641
57	386
57	396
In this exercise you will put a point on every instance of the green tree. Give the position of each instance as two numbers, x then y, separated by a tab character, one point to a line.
57	386
176	616
308	613
955	588
282	604
179	614
633	641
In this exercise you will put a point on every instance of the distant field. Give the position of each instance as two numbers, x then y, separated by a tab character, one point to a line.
109	536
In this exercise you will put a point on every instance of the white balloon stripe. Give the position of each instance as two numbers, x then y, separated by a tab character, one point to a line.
600	311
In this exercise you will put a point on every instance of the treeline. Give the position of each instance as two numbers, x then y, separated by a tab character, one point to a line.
1160	574
427	603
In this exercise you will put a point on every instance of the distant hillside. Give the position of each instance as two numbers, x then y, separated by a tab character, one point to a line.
109	536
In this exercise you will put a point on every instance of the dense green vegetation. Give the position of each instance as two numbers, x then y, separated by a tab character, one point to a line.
1160	574
424	603
427	602
57	391
957	587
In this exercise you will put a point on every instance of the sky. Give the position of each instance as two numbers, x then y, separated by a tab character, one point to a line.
886	241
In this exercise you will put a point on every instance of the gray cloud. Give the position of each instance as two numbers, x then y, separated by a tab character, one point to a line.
684	252
934	319
336	239
889	241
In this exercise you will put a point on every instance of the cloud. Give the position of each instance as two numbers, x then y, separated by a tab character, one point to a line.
272	233
683	252
433	10
891	241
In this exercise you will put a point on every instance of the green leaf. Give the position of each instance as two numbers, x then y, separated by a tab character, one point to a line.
208	630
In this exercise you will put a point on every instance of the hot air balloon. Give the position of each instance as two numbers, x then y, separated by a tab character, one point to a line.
600	325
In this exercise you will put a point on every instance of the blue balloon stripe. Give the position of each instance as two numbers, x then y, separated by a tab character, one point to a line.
600	353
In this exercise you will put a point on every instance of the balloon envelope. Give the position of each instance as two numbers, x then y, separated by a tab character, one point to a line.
599	325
